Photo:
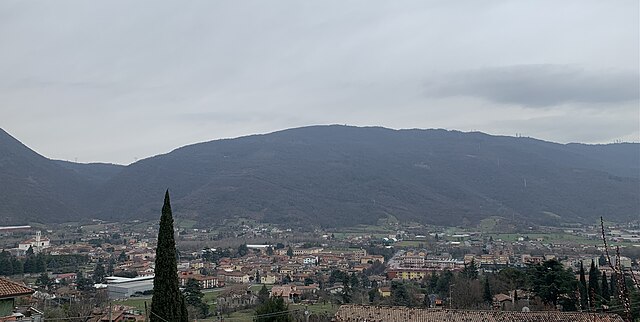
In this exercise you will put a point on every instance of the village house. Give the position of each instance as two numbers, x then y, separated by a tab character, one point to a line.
205	282
502	302
532	260
385	291
269	279
65	278
487	260
235	277
288	293
335	289
310	260
234	300
287	270
370	259
428	266
307	289
9	292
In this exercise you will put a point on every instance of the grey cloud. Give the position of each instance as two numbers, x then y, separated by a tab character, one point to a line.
539	85
118	79
571	126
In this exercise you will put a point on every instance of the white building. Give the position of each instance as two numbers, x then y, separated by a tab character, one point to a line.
37	244
122	287
310	260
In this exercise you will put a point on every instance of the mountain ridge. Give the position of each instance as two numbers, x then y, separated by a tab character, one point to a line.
339	175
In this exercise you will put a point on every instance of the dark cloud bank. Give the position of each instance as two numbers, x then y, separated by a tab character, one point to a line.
539	85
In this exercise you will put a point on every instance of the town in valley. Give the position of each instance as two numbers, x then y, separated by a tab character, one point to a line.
235	264
320	161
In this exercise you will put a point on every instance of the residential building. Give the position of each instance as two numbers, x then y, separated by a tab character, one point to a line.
385	291
235	277
9	292
310	260
205	282
287	292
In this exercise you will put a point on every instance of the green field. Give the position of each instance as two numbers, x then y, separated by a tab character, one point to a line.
490	224
185	223
243	315
359	230
138	303
328	308
412	243
209	298
256	287
534	236
249	314
95	227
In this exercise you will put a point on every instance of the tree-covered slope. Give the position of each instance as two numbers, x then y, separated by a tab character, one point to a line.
336	175
34	188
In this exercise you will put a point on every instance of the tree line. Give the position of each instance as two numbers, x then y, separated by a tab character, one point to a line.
39	263
548	286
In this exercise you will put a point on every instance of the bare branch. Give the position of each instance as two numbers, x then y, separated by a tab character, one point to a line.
623	294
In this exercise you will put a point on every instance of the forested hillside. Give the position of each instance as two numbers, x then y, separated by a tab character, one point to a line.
338	175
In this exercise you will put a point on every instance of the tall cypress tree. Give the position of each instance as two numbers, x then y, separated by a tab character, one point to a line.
613	291
605	289
594	287
167	303
583	287
486	295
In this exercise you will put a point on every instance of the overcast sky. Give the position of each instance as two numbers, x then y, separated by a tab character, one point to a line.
113	81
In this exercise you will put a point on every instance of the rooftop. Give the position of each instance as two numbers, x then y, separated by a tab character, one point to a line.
13	289
399	313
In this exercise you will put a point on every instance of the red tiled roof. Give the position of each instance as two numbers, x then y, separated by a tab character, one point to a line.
12	289
403	314
501	297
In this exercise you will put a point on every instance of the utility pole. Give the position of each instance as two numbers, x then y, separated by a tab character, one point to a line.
146	312
306	313
451	295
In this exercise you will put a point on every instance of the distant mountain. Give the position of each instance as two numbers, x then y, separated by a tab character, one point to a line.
339	175
97	173
618	159
34	188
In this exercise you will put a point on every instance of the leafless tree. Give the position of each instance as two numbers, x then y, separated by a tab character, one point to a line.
623	294
467	294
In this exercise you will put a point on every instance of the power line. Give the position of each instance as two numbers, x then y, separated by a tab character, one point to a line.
276	313
266	315
92	316
159	317
621	305
68	318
